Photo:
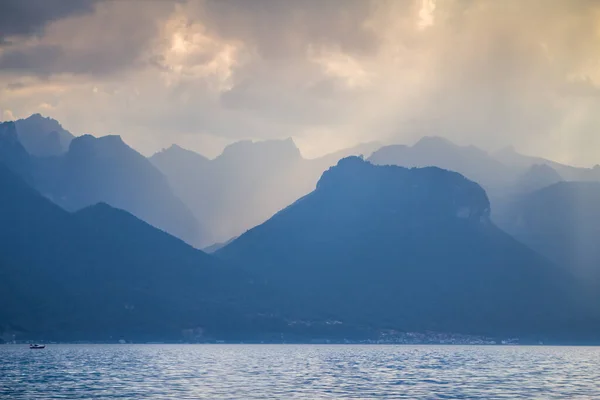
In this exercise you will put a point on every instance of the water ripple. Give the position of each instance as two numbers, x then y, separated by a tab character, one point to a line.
298	372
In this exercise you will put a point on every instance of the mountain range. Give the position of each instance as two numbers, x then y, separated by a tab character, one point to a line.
96	241
385	245
96	170
562	222
101	273
43	136
246	184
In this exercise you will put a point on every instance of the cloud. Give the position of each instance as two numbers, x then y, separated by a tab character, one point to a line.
115	37
28	17
281	29
329	73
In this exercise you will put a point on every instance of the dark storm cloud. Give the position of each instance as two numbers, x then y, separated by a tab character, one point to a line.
109	40
27	17
36	59
46	60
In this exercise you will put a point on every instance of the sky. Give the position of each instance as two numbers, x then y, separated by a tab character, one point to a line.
328	73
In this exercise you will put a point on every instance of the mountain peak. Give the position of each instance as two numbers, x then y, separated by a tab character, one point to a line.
536	177
178	151
278	148
174	147
99	145
45	124
353	177
371	238
38	116
436	141
43	136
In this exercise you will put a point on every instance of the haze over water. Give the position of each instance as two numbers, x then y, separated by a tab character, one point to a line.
298	372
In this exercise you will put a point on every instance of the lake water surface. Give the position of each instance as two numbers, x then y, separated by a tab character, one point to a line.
298	372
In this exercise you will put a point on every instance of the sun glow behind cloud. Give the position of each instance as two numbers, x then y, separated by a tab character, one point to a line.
426	13
192	54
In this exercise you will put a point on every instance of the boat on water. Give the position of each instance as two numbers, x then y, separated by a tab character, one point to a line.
37	346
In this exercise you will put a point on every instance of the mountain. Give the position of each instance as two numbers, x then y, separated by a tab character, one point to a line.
536	177
245	185
509	156
470	161
217	246
507	175
100	170
179	161
505	200
12	152
409	249
251	181
363	149
562	221
102	274
106	170
499	172
43	136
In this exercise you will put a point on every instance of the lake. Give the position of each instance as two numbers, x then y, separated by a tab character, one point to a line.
298	372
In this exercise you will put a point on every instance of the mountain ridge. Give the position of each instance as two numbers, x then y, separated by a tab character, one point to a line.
101	274
43	136
435	260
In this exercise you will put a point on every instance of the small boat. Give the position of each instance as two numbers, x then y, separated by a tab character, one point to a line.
37	346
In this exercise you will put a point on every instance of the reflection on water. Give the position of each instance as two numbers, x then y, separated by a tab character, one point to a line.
297	372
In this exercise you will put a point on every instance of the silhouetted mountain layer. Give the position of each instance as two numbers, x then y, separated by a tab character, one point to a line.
217	246
103	274
536	177
42	136
12	153
411	249
562	221
245	185
101	170
509	156
469	161
507	176
106	170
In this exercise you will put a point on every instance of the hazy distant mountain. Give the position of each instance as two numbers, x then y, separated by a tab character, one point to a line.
364	149
42	136
500	173
510	156
103	274
533	178
507	176
106	170
245	185
406	248
561	221
536	177
217	246
470	161
179	161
